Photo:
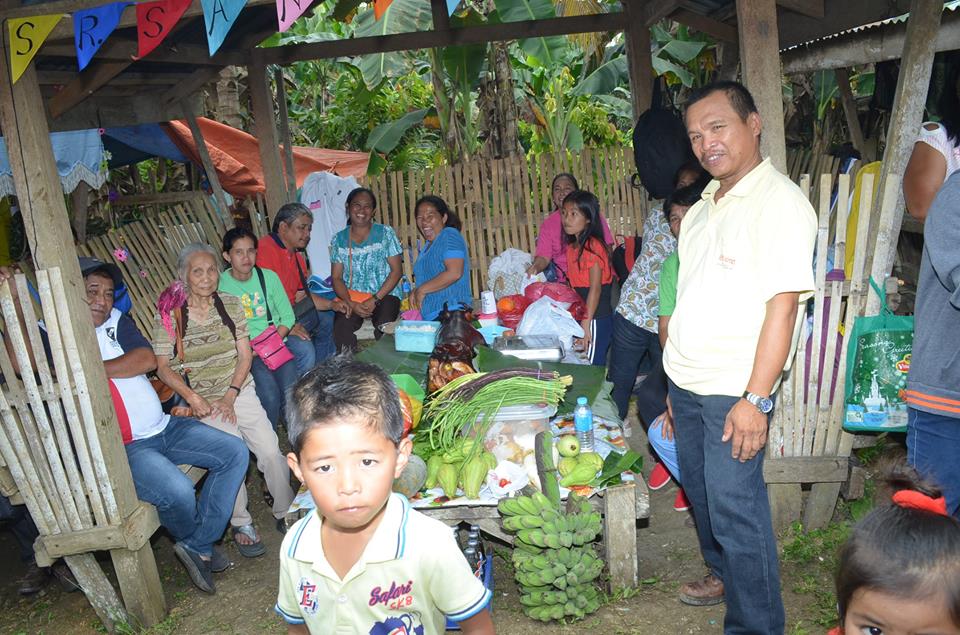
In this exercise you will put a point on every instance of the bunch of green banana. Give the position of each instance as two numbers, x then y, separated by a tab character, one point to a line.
553	562
465	466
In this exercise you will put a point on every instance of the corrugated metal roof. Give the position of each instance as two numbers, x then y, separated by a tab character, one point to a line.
953	5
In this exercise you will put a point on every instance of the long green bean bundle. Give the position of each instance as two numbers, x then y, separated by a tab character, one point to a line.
472	401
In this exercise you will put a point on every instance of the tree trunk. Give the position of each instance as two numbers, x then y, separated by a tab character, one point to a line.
507	104
228	98
446	112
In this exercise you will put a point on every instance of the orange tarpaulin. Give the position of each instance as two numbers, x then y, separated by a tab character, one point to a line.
236	157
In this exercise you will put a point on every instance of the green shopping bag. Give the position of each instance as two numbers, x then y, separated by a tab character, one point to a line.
878	360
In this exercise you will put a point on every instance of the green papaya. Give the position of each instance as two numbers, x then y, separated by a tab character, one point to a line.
582	474
473	475
433	467
447	479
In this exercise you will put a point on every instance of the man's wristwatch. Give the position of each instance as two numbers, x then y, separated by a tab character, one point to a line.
763	404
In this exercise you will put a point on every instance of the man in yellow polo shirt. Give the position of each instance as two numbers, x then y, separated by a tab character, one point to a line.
746	253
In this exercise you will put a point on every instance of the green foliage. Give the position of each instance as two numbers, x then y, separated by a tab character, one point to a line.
544	50
402	16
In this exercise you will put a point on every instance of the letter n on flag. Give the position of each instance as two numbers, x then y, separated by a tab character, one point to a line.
380	7
92	27
289	10
155	20
26	36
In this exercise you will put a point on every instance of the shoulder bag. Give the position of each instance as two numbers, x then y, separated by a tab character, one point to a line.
269	345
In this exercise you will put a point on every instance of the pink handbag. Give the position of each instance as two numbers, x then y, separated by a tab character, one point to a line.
270	348
269	345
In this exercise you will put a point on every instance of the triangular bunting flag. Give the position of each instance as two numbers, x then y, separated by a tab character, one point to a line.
289	10
219	16
26	36
380	7
92	27
452	6
154	22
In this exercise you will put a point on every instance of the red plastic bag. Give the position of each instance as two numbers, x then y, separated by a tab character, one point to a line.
560	293
557	291
510	309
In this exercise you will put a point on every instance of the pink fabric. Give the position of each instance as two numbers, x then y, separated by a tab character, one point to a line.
550	243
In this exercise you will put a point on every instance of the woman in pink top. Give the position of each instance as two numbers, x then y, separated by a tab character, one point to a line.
551	247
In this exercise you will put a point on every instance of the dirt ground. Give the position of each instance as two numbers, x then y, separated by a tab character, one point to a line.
246	592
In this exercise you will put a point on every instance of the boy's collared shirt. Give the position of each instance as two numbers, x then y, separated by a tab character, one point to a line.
411	574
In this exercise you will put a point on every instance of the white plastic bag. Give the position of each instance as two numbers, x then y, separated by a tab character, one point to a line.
508	272
546	316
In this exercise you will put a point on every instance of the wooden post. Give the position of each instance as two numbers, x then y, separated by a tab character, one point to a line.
288	165
916	65
639	61
620	535
850	112
265	125
760	62
205	159
47	225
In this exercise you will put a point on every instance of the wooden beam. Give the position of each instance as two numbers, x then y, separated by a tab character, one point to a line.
656	10
850	112
205	159
714	28
866	47
912	83
162	198
107	112
441	19
760	61
47	229
806	469
186	54
268	142
639	62
84	85
47	78
288	166
810	8
431	39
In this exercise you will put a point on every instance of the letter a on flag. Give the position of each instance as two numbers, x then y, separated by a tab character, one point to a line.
289	10
154	22
380	7
219	16
26	36
92	27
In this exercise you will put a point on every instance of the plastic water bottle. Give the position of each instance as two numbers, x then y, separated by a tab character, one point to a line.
583	423
405	292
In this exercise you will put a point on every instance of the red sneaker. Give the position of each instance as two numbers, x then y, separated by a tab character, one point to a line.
659	476
680	503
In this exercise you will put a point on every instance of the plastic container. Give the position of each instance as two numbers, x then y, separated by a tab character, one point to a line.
512	430
491	333
541	348
488	319
416	336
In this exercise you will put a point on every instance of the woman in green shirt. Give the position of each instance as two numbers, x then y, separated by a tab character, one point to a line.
264	303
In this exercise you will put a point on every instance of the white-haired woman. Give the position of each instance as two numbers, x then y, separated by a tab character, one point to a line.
203	353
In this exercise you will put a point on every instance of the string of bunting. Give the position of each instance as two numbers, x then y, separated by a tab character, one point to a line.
155	21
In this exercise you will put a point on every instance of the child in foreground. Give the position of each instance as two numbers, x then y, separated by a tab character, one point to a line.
899	572
365	562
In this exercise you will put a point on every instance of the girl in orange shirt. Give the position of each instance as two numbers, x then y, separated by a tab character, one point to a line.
589	271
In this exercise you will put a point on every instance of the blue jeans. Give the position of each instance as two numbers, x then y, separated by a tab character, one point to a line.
272	386
21	525
731	511
933	446
665	449
158	480
319	347
630	345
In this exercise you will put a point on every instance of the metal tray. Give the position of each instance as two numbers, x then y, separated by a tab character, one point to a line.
541	348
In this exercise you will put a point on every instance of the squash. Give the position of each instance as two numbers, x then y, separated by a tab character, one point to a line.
413	477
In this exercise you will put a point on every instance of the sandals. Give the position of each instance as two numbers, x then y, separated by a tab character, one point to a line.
253	550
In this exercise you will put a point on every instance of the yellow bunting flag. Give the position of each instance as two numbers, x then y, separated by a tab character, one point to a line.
26	36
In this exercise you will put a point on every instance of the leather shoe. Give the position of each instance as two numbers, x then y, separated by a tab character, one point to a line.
704	592
33	580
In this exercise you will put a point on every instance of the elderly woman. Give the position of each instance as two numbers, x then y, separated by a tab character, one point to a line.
204	336
442	269
551	245
366	260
